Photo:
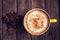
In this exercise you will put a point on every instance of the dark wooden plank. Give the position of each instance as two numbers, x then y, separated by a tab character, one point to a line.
9	6
52	9
0	20
23	7
38	4
59	16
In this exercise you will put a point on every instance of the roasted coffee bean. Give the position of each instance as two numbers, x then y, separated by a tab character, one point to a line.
11	19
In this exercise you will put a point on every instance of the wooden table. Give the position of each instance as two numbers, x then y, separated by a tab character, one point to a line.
23	6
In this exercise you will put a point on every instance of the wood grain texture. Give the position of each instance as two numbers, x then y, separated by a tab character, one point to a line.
38	4
0	20
59	15
52	9
9	6
23	7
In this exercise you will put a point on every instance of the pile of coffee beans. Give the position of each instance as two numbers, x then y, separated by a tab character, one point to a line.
12	20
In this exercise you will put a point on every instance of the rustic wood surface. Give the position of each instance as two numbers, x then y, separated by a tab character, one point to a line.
52	9
0	20
8	6
23	6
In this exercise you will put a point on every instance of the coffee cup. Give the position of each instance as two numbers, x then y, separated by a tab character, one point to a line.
37	21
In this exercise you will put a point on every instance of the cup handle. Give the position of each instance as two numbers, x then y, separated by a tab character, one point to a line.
53	20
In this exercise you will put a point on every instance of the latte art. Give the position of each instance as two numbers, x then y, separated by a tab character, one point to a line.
36	21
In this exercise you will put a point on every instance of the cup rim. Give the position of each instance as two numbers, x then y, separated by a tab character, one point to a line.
45	14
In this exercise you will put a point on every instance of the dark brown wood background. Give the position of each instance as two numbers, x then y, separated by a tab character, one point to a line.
23	6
